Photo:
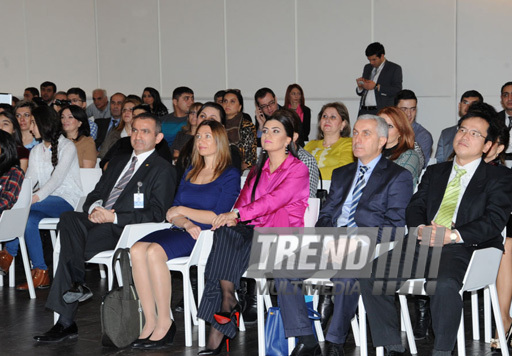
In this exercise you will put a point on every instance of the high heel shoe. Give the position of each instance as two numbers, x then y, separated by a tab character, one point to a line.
218	349
495	343
225	317
138	343
163	342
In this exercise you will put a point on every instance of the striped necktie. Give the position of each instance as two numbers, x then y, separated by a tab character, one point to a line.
450	199
119	187
356	196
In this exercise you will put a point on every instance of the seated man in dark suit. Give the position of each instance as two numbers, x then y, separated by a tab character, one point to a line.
471	201
108	124
372	192
135	189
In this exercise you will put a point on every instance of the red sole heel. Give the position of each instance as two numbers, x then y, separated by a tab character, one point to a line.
221	319
227	345
237	319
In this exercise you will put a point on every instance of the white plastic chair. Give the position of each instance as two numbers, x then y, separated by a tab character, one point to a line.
12	225
481	273
198	256
131	234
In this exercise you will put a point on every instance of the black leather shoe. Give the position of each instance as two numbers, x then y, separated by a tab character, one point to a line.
79	292
58	333
162	343
332	349
302	350
138	343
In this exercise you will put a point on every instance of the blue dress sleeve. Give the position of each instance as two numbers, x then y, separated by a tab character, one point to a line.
230	183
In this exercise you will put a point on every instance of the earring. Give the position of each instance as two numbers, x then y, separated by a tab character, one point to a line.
286	149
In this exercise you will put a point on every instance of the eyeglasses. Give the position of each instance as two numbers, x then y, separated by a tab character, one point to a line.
472	133
59	102
272	103
76	101
127	110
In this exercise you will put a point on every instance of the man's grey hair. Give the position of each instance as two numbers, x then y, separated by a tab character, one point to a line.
382	125
102	90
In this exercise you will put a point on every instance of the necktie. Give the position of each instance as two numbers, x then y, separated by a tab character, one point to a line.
374	72
119	187
356	196
510	122
450	198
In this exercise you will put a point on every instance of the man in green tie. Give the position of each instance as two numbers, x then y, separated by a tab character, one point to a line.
471	201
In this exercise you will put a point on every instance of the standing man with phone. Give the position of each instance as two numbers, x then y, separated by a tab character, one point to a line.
380	82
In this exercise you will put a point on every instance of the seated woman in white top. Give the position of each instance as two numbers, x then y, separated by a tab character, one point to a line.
53	168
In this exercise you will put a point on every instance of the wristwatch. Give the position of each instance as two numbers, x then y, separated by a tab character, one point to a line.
235	210
453	237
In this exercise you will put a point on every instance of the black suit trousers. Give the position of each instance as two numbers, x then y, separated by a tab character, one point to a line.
445	301
80	240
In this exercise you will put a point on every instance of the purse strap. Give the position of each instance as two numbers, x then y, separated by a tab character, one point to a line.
321	180
123	256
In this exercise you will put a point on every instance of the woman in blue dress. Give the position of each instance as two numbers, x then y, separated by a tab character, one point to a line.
208	188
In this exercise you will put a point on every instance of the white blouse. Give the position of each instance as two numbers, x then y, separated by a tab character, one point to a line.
65	180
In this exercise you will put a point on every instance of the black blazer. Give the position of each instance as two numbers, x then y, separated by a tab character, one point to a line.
103	125
484	209
158	178
384	197
390	80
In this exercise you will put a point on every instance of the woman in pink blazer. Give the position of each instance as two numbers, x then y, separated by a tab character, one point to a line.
275	195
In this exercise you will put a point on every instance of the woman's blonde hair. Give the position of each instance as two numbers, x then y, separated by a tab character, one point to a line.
223	154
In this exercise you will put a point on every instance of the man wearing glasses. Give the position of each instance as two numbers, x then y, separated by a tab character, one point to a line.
266	105
471	202
76	96
406	101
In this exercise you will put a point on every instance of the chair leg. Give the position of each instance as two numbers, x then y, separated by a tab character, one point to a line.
475	315
200	289
291	345
103	275
110	279
355	330
260	303
406	322
363	341
497	318
12	274
460	335
186	312
193	307
53	236
487	315
26	265
380	351
241	327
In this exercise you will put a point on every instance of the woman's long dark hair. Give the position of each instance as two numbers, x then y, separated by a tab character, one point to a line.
285	117
80	115
50	129
16	125
158	107
9	154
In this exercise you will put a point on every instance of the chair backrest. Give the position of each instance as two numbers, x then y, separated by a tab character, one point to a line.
89	178
14	220
482	269
312	212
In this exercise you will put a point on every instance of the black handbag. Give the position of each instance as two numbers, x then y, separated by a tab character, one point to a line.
321	193
122	318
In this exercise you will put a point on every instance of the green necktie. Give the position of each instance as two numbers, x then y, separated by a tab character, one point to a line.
450	198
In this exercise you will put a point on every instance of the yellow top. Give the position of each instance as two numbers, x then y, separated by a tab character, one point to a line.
330	158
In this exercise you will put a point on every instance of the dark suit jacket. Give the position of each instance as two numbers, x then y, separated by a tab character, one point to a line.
103	125
390	80
503	117
158	178
484	209
384	197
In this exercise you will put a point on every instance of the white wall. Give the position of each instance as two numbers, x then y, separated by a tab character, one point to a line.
445	47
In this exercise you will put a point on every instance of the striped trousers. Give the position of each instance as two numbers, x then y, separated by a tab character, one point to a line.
227	261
